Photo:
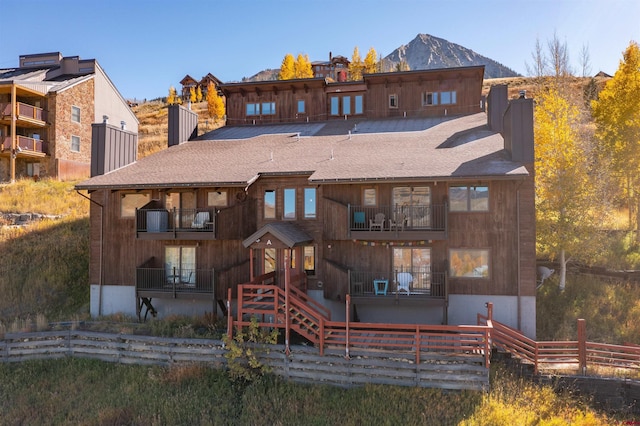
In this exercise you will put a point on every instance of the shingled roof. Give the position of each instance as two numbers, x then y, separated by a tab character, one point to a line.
446	148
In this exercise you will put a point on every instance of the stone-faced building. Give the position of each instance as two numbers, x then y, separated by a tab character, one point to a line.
47	106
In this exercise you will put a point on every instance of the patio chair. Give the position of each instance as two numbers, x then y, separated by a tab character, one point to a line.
377	222
397	222
403	282
200	220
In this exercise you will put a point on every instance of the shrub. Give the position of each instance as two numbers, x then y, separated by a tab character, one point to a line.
243	351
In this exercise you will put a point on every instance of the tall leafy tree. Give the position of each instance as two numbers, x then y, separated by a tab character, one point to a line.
356	66
287	69
371	62
302	67
569	205
173	96
215	103
199	94
617	117
192	95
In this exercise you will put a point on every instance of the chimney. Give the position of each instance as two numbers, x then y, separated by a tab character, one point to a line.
496	106
518	130
123	125
111	147
105	119
183	125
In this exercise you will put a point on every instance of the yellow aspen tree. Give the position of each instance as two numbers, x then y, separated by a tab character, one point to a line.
173	95
617	117
370	61
356	66
569	194
198	94
302	67
215	103
287	69
192	95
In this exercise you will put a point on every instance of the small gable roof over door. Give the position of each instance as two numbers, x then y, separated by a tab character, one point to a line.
287	234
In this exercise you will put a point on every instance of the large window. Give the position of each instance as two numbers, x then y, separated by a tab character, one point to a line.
184	204
447	98
301	108
412	269
309	253
289	203
369	197
217	199
309	203
75	143
253	109
180	265
335	105
358	105
75	114
268	108
412	204
469	263
346	105
270	204
469	198
130	202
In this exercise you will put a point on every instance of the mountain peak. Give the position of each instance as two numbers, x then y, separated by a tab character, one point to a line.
428	52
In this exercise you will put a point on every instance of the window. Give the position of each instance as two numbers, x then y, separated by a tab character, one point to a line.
75	143
335	105
309	254
217	199
130	202
309	203
268	108
300	106
358	105
469	198
429	98
469	263
253	109
184	204
289	203
75	114
180	265
346	105
414	204
369	197
417	263
269	204
269	260
33	169
447	98
393	101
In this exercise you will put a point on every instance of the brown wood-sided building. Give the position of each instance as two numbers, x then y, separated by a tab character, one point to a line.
407	191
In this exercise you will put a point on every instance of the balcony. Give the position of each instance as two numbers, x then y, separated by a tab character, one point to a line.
413	284
26	115
176	224
398	223
174	283
26	147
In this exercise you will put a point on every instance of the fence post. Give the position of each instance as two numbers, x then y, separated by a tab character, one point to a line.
582	345
346	330
418	341
489	306
229	316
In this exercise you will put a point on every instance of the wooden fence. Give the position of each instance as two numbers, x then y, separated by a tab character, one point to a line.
301	364
563	355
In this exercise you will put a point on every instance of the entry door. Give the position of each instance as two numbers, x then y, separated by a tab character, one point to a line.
415	203
417	262
185	205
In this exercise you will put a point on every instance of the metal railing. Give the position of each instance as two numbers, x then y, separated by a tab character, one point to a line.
175	280
398	218
25	143
163	220
24	111
420	281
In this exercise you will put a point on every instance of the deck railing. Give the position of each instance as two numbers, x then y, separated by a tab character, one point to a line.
24	111
577	354
398	218
25	143
419	281
175	280
176	220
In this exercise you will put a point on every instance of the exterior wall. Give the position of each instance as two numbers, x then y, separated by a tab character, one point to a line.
62	128
463	309
109	102
111	148
182	124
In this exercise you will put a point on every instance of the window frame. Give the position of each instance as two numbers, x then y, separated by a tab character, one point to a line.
358	105
290	198
301	105
130	211
309	272
74	115
429	98
469	207
365	197
217	199
308	213
483	273
264	199
393	101
75	143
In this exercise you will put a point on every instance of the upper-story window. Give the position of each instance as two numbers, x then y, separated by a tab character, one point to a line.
75	143
75	114
393	101
369	197
468	198
290	203
268	108
269	204
429	98
469	263
253	109
132	201
217	199
309	203
448	98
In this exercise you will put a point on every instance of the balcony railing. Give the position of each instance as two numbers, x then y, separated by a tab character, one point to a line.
24	112
178	222
398	218
26	144
411	282
175	280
